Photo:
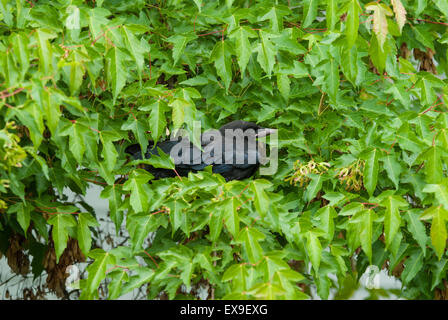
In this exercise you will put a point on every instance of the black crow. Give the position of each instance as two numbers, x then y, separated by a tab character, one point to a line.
232	151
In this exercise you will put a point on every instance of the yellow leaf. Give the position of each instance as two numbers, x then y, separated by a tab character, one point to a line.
400	13
380	11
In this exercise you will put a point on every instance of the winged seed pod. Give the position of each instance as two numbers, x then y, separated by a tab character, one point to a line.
301	171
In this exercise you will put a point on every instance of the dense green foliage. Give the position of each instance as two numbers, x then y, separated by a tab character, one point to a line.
356	89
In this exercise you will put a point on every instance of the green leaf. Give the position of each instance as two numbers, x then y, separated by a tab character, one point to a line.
283	84
350	64
21	53
412	266
314	249
180	41
139	226
6	12
76	141
50	103
161	160
417	229
366	235
265	53
135	49
116	284
143	276
325	217
97	19
10	71
265	291
112	193
332	79
426	84
116	70
97	270
363	220
243	48
261	199
309	12
314	186
198	4
85	220
439	216
140	192
351	209
335	198
272	264
109	153
216	224
178	216
40	224
408	140
221	56
179	107
352	22
157	119
275	17
370	174
330	14
392	218
433	165
250	238
238	274
138	128
438	272
379	54
400	93
75	74
393	168
423	36
23	211
231	217
440	190
287	41
61	222
45	50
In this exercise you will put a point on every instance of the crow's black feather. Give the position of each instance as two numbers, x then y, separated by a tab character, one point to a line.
230	171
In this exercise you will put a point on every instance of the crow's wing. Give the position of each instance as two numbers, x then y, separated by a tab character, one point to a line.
237	150
241	151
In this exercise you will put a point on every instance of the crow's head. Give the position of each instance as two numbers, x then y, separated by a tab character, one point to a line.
246	125
248	130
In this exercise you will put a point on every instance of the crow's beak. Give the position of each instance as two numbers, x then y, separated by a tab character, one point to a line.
265	132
